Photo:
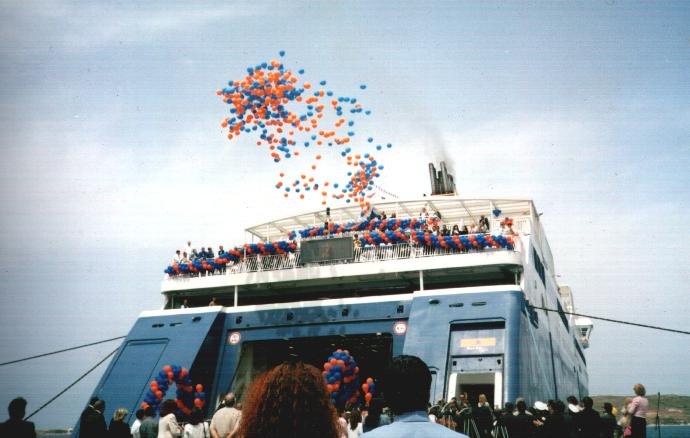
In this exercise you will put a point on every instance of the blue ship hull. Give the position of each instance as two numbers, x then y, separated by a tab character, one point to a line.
473	340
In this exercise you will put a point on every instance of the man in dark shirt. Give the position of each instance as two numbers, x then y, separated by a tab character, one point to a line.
92	421
16	427
608	421
588	420
149	425
521	426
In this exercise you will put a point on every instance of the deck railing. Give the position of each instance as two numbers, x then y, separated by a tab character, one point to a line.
366	254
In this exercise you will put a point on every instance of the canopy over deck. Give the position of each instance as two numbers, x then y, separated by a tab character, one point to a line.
453	210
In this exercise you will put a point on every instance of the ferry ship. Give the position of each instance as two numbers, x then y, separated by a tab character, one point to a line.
465	304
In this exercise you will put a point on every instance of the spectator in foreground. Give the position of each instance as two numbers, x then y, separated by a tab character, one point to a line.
16	427
376	417
521	425
137	423
354	427
406	384
92	421
118	428
226	419
149	425
588	420
288	401
167	425
197	427
608	422
638	412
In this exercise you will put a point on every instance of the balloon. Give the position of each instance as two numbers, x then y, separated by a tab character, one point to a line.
199	387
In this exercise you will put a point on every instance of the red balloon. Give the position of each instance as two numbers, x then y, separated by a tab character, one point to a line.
370	380
327	366
167	368
198	402
368	397
199	387
159	394
365	388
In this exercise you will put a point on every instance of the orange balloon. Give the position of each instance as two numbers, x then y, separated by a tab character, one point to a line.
199	387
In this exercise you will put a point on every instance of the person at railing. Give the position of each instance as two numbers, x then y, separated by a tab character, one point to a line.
507	228
184	258
455	231
464	230
202	253
209	253
189	247
483	224
445	231
177	257
194	255
424	214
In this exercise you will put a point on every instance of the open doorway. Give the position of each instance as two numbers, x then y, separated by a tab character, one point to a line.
470	385
371	351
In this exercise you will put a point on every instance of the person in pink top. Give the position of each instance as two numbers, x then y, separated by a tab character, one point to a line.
638	411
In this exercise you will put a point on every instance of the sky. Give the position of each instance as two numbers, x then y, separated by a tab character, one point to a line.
113	155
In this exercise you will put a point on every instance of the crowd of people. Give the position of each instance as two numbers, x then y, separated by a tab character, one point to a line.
544	420
291	400
222	260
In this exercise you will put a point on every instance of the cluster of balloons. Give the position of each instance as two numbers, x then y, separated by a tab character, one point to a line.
295	119
341	375
188	395
369	389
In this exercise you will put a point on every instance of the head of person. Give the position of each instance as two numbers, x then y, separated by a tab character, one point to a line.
587	402
139	414
289	400
168	406
229	400
99	405
509	407
405	384
572	400
608	408
639	389
120	414
149	412
521	406
17	408
482	399
556	406
355	418
196	417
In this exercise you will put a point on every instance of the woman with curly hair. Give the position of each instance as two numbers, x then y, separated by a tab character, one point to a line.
289	400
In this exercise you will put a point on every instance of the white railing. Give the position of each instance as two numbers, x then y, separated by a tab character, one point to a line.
366	254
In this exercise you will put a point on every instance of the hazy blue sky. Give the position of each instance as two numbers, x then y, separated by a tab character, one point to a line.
112	154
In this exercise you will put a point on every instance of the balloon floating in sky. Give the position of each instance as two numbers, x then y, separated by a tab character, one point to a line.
301	125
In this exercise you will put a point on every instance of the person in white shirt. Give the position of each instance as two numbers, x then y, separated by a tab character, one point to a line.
134	430
167	425
226	419
197	427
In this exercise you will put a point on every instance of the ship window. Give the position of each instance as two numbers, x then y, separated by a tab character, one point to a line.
173	324
539	266
159	325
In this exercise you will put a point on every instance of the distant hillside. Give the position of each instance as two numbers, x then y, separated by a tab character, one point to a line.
673	409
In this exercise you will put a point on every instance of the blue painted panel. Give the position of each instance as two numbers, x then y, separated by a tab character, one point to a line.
128	379
153	342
